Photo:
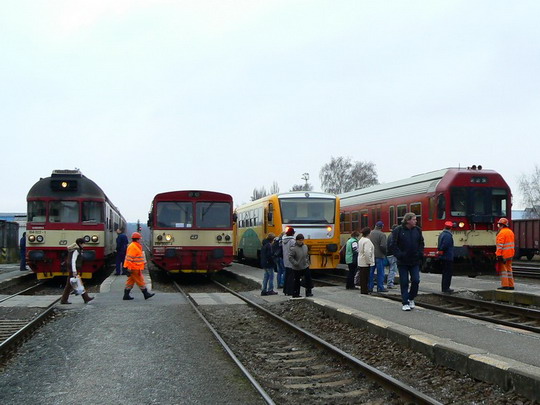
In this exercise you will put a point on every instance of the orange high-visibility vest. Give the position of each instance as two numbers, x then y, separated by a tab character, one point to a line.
505	243
134	257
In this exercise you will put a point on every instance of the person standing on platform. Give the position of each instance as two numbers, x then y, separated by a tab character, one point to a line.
445	251
287	243
378	238
392	261
135	262
351	258
22	249
121	247
505	243
408	247
267	263
299	259
74	265
277	253
366	259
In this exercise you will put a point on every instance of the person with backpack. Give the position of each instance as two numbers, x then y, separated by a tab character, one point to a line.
277	253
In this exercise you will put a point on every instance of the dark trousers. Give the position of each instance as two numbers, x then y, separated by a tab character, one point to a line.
447	270
364	279
350	277
120	262
404	271
298	274
288	286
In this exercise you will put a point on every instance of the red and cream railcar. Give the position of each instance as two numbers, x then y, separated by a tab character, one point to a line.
62	208
191	231
472	198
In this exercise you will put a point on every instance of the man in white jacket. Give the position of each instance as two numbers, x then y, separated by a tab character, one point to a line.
366	259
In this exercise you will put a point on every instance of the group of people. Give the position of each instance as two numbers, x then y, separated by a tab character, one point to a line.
368	252
130	260
288	256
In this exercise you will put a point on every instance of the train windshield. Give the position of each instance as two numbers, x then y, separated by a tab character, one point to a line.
36	211
308	211
64	211
92	211
175	214
213	214
478	201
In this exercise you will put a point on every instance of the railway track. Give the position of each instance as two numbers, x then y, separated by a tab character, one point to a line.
302	367
14	331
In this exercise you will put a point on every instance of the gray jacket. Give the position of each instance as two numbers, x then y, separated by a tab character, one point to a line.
378	238
299	257
286	243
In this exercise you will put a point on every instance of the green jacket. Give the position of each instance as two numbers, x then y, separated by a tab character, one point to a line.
351	251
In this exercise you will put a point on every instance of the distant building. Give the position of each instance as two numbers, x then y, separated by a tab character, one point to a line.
20	218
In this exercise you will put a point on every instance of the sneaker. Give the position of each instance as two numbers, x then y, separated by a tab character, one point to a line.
263	293
390	287
411	304
383	290
449	291
271	293
406	307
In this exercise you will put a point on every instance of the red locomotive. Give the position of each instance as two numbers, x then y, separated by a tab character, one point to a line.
191	231
472	198
62	208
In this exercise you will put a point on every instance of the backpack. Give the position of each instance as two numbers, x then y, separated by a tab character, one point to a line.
277	248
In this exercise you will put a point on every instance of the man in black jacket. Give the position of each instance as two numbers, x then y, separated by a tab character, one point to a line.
408	248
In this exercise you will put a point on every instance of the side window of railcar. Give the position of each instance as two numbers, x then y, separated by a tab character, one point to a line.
347	226
417	209
175	214
64	211
36	211
401	211
355	222
92	211
364	221
441	207
392	218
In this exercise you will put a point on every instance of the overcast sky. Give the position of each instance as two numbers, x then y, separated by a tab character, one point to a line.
147	96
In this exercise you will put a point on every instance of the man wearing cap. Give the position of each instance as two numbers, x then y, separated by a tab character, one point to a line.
445	251
378	238
504	254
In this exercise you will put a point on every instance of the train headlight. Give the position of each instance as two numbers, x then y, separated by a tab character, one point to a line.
159	237
461	224
219	237
39	238
168	237
32	238
328	229
227	237
95	238
86	238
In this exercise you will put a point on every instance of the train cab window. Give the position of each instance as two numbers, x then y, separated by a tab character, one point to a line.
36	211
392	216
499	202
64	211
401	211
92	211
364	220
458	202
441	207
175	214
417	209
213	214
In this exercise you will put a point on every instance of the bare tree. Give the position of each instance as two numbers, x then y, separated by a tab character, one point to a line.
258	193
302	187
342	175
529	187
275	188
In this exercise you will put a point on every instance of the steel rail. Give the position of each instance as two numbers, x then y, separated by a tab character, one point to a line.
23	291
242	368
403	390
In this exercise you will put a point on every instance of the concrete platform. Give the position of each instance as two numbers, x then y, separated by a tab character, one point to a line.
29	301
492	353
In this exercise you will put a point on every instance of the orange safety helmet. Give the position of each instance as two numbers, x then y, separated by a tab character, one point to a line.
503	221
136	235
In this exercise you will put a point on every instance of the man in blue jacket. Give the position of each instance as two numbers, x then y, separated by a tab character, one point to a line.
408	248
445	251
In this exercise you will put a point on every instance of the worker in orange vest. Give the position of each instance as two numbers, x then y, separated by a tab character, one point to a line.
134	263
504	254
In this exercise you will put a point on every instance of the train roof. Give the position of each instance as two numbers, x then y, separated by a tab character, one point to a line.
419	184
80	186
191	194
302	194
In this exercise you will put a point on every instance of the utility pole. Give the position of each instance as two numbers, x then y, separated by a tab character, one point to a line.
305	177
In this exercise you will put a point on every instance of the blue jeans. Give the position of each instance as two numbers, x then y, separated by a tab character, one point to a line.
392	270
280	271
404	271
268	280
379	266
